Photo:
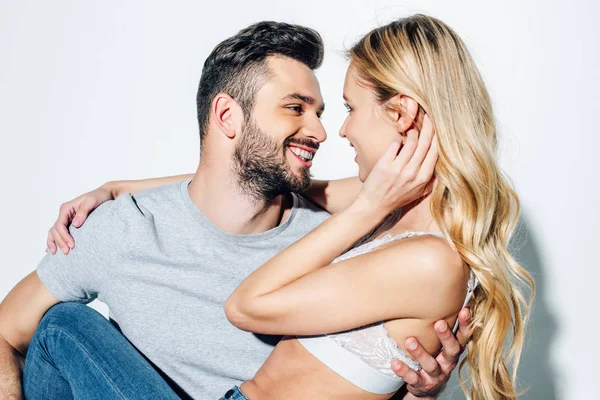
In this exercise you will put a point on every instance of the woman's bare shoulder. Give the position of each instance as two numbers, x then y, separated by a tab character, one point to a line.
430	263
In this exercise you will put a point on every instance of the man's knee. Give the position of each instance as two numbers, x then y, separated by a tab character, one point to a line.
64	325
69	316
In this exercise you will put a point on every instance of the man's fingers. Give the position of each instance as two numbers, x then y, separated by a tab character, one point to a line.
464	330
403	371
419	354
451	348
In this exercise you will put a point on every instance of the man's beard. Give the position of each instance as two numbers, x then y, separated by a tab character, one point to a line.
261	165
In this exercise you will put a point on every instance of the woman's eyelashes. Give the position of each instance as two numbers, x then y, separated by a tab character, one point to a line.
347	106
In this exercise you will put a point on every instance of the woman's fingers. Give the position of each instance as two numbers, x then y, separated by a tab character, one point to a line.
424	143
428	165
85	208
50	242
61	226
60	243
407	151
75	213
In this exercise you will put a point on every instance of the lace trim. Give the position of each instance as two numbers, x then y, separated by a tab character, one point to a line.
372	343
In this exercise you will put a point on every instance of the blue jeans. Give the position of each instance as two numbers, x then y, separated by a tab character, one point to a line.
77	354
234	394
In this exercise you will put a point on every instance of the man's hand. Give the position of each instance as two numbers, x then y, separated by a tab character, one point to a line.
435	373
75	212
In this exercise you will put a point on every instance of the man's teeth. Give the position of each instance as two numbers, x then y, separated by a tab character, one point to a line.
305	155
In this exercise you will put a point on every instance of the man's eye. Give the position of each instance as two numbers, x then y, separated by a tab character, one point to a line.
297	109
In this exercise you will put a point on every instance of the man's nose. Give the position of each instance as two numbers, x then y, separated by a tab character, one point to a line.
315	130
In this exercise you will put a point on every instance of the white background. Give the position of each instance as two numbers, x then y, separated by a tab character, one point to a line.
92	91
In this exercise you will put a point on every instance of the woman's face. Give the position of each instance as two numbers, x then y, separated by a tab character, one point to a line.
368	126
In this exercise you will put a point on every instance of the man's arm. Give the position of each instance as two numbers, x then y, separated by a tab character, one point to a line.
20	313
11	365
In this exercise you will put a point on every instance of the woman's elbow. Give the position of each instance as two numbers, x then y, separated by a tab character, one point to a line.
237	314
251	315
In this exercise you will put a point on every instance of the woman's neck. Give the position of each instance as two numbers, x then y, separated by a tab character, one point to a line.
414	217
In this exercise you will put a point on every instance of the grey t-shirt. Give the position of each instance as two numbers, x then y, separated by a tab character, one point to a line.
165	271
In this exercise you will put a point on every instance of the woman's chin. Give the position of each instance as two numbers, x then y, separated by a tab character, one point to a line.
362	175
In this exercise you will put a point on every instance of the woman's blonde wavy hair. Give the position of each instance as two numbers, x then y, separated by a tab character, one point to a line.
472	201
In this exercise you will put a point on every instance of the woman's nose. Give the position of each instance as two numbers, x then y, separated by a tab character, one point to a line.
342	132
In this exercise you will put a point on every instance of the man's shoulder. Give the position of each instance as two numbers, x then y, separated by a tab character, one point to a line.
130	210
157	200
162	192
307	210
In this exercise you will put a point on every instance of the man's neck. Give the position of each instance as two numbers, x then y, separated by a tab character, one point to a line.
217	194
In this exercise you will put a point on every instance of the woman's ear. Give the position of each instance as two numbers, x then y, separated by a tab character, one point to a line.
404	111
226	113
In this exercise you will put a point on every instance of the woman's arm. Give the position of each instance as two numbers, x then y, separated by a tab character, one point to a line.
298	292
76	211
334	195
117	188
293	293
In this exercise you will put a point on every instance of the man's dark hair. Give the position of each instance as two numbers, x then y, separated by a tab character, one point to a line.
238	65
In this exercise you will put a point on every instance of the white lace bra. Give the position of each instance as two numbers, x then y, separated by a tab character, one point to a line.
364	355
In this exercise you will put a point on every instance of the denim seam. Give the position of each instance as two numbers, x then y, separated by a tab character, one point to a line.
88	354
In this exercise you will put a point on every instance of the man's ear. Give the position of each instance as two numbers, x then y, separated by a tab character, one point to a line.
226	114
404	111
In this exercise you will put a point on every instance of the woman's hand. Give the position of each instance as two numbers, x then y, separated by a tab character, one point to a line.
401	177
75	212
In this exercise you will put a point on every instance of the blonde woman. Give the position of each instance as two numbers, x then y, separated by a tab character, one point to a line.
348	316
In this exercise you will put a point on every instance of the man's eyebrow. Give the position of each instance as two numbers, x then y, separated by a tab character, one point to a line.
303	98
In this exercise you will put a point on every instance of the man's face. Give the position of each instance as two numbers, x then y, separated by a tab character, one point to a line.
280	138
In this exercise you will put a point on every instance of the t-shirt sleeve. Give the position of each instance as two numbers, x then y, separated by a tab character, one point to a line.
79	276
